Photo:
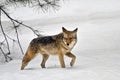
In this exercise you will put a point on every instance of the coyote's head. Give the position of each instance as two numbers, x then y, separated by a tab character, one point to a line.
69	37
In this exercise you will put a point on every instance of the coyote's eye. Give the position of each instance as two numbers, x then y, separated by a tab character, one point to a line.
65	38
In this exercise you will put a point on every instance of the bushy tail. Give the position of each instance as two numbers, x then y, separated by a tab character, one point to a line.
25	61
30	54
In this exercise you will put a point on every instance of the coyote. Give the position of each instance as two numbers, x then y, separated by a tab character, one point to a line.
60	45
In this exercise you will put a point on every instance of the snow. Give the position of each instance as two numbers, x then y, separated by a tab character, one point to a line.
97	50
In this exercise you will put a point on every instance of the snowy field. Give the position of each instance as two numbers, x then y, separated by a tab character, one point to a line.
97	50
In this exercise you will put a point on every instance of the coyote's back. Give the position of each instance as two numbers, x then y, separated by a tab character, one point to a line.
60	45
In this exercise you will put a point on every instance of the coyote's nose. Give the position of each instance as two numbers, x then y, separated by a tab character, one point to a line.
67	44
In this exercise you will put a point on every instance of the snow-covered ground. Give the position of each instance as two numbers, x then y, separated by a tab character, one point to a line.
97	50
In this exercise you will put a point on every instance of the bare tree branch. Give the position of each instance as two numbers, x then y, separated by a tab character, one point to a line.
20	23
17	26
4	33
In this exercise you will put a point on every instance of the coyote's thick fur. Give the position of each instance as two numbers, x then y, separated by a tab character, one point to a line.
60	45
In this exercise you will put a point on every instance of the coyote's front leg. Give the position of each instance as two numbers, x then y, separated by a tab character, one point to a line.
61	59
69	54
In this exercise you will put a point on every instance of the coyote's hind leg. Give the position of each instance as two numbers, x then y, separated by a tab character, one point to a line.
45	58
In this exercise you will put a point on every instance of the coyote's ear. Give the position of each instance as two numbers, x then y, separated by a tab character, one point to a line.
63	29
75	30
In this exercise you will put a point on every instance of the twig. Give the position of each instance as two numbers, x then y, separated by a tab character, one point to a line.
4	55
10	37
4	33
17	36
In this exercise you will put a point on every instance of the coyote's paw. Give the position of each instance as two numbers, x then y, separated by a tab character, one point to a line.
71	64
